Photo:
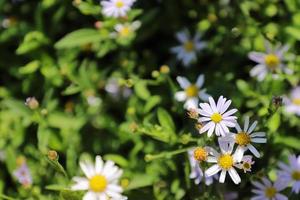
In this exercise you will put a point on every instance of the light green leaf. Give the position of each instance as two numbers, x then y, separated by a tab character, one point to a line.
141	90
165	119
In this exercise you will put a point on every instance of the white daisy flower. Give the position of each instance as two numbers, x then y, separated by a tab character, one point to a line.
271	61
293	103
101	180
265	190
116	8
187	50
196	155
246	163
291	173
191	92
127	29
224	162
244	138
215	116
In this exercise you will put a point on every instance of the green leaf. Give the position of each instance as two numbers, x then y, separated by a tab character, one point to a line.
32	41
274	122
63	121
289	141
293	31
165	119
88	8
70	195
30	67
151	103
120	160
72	89
141	90
140	180
78	38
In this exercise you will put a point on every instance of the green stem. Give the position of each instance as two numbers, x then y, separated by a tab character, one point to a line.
3	196
168	155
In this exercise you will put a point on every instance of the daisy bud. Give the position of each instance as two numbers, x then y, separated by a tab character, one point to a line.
52	155
192	113
277	101
32	103
200	154
164	69
98	24
198	126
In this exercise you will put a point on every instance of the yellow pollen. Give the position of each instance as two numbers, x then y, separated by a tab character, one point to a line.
200	154
98	183
272	61
242	139
225	161
296	175
296	101
124	32
191	91
189	46
119	4
270	192
216	117
246	165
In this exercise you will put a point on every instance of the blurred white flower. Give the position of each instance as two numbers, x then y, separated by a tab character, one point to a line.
215	116
292	104
196	155
116	8
265	190
23	175
224	162
93	101
191	92
189	47
127	29
291	173
116	90
101	180
269	62
244	138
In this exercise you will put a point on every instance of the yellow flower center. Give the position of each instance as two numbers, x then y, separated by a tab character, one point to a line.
270	192
119	4
246	165
191	91
216	117
98	183
272	61
189	46
200	154
296	101
124	32
242	139
225	161
296	175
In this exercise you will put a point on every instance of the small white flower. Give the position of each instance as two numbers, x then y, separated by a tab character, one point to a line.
245	164
192	92
224	162
116	90
291	173
196	155
127	29
265	190
292	104
187	50
271	61
116	8
244	138
216	117
101	180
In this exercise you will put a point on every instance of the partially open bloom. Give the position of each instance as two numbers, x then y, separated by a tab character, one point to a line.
292	104
265	190
216	117
101	180
291	173
244	138
116	8
23	175
224	162
245	164
271	61
189	47
191	92
127	29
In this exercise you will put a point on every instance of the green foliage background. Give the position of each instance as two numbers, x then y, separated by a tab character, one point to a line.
51	50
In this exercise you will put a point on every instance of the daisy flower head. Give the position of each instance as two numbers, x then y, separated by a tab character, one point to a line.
216	117
266	190
127	29
188	48
101	180
246	163
191	92
225	161
245	137
291	173
116	8
293	103
268	62
196	155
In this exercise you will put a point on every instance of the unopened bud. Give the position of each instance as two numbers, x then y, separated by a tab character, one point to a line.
198	126
98	24
277	101
32	103
192	113
164	69
52	155
133	127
